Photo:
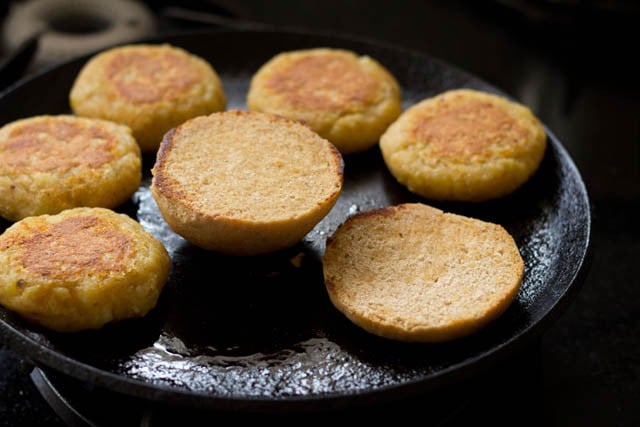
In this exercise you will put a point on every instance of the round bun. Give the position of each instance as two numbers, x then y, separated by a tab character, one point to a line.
414	273
80	269
150	88
52	163
464	145
348	99
245	183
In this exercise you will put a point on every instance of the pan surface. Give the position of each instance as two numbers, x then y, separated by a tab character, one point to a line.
260	332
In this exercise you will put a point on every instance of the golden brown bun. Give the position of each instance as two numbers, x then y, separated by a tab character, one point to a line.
245	183
347	99
150	88
51	163
464	145
413	273
80	269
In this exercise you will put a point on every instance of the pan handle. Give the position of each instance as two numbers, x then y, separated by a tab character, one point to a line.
14	67
58	403
183	14
130	414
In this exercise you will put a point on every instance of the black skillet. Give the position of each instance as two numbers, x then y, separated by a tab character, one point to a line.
260	333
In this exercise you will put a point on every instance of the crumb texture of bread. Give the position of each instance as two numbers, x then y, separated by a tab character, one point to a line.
52	163
245	182
150	88
464	145
348	99
80	269
414	273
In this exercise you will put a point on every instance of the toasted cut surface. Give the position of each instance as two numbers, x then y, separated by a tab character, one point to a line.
80	269
151	88
51	163
414	273
245	182
348	99
464	145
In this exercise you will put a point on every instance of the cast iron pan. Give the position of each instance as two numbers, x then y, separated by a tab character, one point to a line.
260	333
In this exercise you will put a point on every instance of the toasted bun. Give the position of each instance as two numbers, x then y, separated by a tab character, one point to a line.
245	183
464	145
413	273
150	88
348	99
80	269
51	163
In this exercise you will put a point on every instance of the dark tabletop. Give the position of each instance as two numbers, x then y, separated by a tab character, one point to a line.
571	63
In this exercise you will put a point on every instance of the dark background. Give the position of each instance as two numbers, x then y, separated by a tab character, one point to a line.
575	64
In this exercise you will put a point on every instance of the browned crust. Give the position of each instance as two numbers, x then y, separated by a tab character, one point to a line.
337	157
383	211
469	130
57	144
161	181
148	75
71	247
271	117
324	81
331	287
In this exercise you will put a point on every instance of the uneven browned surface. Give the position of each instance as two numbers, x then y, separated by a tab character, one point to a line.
87	245
323	81
470	130
151	76
55	144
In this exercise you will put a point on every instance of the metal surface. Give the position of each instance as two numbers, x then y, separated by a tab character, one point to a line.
260	333
58	402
